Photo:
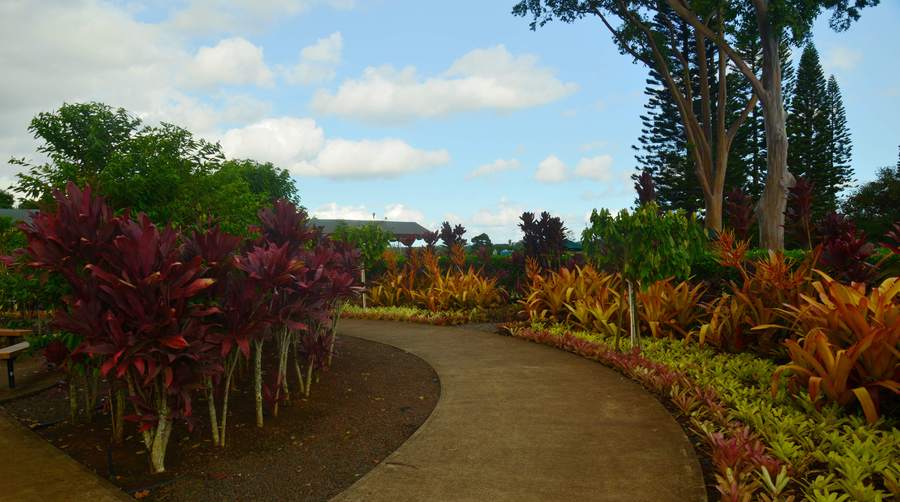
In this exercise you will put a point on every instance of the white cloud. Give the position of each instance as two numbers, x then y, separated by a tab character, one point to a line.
393	212
496	166
843	58
401	212
300	145
211	17
491	78
232	61
387	158
506	214
283	141
317	62
332	211
597	168
551	170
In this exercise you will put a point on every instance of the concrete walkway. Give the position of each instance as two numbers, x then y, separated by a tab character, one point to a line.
520	421
34	470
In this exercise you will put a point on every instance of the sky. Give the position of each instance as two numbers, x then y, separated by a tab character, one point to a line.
411	110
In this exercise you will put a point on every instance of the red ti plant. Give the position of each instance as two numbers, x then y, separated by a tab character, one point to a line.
270	273
431	239
845	250
740	214
799	210
131	304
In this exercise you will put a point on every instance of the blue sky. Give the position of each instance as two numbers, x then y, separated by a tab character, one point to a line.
411	110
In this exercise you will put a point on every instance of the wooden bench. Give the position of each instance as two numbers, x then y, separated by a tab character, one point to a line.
9	355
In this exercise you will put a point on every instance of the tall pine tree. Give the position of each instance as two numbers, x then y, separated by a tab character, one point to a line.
818	134
839	147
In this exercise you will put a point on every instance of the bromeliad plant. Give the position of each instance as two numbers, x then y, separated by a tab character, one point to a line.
847	347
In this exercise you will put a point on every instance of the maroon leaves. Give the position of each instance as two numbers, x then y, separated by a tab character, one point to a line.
845	250
740	214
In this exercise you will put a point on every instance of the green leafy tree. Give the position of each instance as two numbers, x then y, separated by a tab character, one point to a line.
264	178
481	241
717	21
164	171
875	206
648	32
370	239
7	200
645	246
79	139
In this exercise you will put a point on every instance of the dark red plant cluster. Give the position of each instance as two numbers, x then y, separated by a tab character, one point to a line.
162	313
740	214
452	235
845	249
799	211
543	238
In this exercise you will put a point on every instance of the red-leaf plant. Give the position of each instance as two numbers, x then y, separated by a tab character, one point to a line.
63	241
131	304
845	249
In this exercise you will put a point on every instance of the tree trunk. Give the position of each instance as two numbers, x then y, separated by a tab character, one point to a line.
778	180
257	381
117	414
713	216
159	436
632	316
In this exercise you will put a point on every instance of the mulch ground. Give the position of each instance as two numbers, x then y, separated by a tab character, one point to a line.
370	401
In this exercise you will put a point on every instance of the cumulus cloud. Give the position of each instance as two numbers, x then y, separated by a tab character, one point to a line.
393	212
387	158
597	168
551	170
212	17
843	58
283	141
401	212
491	78
233	61
300	145
333	211
496	166
506	214
317	62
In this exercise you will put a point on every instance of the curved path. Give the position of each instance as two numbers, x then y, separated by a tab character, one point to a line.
521	421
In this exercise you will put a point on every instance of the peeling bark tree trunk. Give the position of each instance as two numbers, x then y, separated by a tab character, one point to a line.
779	180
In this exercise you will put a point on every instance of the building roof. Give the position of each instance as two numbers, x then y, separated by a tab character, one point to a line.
397	228
17	214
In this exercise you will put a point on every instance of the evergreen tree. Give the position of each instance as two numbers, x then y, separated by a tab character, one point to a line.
808	128
839	145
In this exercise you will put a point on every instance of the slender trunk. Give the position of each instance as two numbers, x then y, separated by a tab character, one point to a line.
257	380
362	276
778	180
281	383
297	369
117	413
632	316
309	372
160	435
73	398
229	371
211	402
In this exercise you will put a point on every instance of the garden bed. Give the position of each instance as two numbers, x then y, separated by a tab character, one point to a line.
370	401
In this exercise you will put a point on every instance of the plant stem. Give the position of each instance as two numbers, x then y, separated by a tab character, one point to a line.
211	402
257	380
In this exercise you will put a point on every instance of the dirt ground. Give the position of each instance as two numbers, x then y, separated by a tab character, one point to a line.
370	401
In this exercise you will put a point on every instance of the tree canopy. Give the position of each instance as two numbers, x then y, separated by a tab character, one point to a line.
164	170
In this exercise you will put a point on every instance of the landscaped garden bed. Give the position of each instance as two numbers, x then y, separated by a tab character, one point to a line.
368	403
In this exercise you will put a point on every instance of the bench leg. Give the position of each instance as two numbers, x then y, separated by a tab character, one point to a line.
10	374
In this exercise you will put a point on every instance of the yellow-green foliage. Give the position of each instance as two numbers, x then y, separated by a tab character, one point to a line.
831	455
421	283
